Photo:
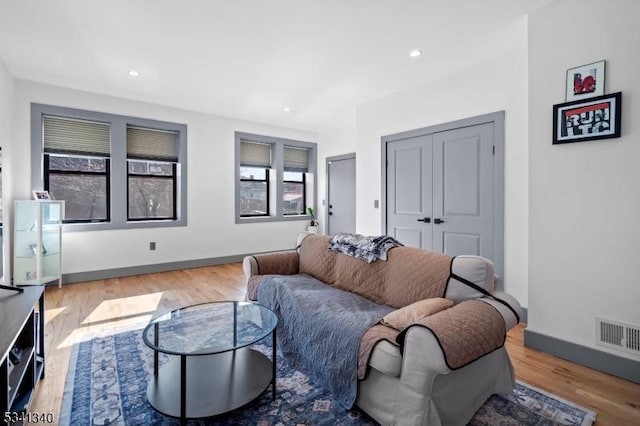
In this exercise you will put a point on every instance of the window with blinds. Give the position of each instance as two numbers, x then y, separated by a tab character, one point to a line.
113	171
152	157
296	164
76	166
68	136
275	178
296	159
255	161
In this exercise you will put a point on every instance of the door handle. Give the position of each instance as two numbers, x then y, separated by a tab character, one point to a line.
425	220
438	221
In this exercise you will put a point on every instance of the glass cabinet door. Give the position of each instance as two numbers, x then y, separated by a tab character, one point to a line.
37	241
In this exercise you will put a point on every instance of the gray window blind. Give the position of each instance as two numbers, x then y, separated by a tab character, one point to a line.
150	144
296	159
254	154
65	135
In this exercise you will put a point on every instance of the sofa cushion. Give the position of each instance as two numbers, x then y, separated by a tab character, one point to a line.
316	259
386	358
403	317
408	275
414	274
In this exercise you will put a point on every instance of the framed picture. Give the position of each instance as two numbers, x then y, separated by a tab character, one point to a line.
41	195
588	120
586	81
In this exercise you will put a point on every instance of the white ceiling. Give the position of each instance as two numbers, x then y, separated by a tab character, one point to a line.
250	58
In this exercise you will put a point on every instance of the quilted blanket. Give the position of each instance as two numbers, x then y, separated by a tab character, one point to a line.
320	328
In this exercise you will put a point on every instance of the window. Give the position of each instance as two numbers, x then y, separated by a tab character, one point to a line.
274	178
152	160
255	162
83	182
76	167
114	172
296	165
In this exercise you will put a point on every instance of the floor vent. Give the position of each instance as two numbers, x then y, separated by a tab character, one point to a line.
618	335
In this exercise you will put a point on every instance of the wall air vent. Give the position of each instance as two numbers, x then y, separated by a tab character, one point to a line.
618	335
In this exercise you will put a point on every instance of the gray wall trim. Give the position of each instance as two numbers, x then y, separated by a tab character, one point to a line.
104	274
326	174
277	166
606	362
498	119
341	157
118	165
524	315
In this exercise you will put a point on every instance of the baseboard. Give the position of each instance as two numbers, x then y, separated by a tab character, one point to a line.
105	274
524	316
606	362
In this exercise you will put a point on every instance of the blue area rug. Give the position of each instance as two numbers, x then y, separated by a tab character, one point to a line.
108	376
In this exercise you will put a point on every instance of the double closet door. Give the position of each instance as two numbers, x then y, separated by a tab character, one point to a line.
440	191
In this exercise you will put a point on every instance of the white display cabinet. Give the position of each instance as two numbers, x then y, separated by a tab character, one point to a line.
37	257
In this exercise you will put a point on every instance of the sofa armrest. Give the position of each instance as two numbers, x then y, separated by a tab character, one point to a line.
464	333
422	360
508	312
277	263
258	266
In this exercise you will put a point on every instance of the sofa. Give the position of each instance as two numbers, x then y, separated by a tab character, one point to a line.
430	368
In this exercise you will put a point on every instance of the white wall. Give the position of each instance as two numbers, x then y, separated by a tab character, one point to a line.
6	108
584	197
211	231
498	84
331	143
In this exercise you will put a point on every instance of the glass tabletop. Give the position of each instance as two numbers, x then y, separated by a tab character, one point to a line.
209	328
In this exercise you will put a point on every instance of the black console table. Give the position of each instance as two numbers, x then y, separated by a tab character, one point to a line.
21	348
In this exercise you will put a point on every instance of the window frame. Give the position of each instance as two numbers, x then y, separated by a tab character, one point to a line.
266	181
174	183
118	194
107	174
304	193
276	179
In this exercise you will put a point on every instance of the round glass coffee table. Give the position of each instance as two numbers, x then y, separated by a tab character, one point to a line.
216	371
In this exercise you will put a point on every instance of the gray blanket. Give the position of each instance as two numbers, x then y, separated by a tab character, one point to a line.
358	246
320	328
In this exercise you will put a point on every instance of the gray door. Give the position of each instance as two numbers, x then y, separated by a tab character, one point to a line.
440	193
463	191
409	191
341	198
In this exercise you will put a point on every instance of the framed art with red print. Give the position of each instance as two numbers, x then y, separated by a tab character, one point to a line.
586	81
588	120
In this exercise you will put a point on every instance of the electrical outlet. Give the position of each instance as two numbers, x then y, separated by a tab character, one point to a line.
152	245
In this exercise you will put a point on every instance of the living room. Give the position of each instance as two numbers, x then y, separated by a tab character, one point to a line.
566	260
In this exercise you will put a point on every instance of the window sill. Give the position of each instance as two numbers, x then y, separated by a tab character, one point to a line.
103	226
261	219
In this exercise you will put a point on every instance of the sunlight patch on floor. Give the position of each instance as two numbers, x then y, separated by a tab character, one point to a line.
51	313
124	307
112	316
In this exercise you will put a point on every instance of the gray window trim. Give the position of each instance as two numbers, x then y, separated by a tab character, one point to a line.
277	166
118	165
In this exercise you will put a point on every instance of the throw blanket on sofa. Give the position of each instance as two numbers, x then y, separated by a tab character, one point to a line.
368	249
320	328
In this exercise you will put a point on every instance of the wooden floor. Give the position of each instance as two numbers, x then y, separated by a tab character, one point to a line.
105	306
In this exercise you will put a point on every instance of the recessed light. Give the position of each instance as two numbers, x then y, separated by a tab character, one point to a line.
415	53
286	109
134	73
